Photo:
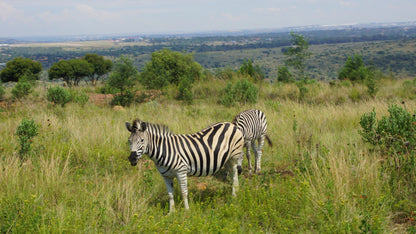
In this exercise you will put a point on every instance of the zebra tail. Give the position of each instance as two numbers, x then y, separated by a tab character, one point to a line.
269	141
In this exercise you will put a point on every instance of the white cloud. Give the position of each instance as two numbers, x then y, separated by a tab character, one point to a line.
9	13
96	14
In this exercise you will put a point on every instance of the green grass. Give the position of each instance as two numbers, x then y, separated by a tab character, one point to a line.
318	178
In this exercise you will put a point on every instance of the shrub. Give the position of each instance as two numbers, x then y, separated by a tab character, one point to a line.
284	75
395	135
354	69
2	91
79	97
346	83
25	132
21	89
58	95
228	97
242	91
355	95
302	89
185	91
123	99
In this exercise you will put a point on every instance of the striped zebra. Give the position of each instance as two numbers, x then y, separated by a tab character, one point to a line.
200	154
253	125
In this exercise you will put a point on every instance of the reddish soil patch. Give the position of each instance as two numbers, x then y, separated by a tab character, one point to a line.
100	99
148	95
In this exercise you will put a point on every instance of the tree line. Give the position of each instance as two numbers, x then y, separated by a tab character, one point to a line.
179	70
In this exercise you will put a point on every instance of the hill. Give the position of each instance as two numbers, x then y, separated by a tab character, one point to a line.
389	47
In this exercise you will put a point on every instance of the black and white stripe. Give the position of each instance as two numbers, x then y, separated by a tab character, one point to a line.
253	125
200	154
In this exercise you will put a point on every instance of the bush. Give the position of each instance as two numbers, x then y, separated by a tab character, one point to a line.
58	95
79	97
284	75
242	91
2	91
21	89
302	89
228	97
395	135
123	99
185	91
25	132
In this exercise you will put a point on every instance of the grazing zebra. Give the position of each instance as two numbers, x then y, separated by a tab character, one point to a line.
200	154
253	124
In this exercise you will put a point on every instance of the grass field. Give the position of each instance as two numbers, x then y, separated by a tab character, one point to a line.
320	177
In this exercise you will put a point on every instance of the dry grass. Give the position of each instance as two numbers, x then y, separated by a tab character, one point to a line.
78	178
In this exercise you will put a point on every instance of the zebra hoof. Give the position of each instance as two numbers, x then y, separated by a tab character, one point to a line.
239	169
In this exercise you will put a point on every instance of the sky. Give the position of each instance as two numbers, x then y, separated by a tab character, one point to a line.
28	18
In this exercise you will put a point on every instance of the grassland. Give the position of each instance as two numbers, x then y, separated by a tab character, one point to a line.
320	177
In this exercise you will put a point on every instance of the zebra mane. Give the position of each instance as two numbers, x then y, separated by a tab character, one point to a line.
158	129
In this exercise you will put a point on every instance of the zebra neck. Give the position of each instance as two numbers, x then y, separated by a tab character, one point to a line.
158	147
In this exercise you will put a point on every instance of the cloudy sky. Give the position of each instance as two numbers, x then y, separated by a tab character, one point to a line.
79	17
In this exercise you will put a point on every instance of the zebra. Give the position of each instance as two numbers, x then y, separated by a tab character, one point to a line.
199	154
253	125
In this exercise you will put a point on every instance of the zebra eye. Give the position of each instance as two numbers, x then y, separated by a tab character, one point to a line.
141	140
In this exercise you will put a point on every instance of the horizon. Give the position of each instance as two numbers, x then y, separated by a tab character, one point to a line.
47	18
209	33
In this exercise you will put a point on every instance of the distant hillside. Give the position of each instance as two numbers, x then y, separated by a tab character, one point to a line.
389	47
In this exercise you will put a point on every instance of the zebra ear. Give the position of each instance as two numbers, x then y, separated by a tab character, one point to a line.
128	126
143	126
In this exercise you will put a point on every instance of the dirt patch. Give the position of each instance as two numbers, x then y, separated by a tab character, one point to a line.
147	95
100	99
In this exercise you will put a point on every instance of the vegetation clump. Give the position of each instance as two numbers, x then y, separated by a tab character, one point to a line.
395	136
22	88
242	91
25	133
58	95
19	67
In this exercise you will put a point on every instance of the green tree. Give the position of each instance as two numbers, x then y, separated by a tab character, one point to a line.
297	54
19	67
168	67
72	71
124	75
354	69
101	66
284	75
248	69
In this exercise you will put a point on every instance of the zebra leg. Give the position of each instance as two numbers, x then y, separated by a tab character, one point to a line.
248	155
169	186
183	184
240	163
234	174
259	154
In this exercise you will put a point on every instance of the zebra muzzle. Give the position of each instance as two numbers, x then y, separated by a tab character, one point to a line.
133	158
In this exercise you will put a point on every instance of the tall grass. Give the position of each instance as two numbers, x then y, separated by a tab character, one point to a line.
319	177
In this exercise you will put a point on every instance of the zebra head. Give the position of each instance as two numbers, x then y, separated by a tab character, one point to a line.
137	140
